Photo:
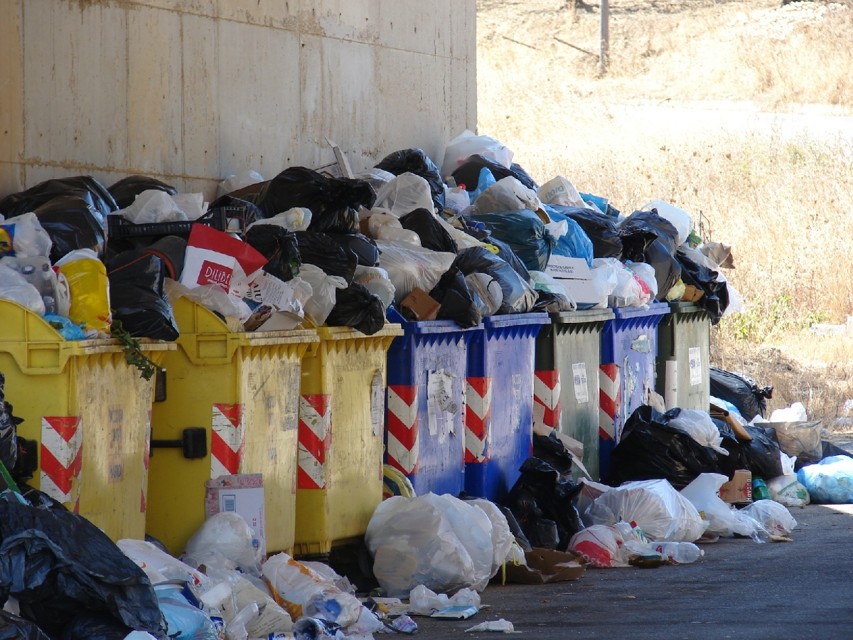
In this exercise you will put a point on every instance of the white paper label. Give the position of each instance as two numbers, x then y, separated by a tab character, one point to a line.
377	403
440	405
580	381
695	354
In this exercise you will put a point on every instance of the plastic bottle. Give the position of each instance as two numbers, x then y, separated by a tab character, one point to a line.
760	490
679	552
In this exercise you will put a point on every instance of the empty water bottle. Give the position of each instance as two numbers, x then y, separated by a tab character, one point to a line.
679	552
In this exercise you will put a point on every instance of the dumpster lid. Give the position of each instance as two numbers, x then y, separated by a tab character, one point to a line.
390	330
655	309
681	306
582	317
515	319
423	327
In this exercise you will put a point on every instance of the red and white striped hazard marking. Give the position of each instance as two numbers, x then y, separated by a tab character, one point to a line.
62	458
546	399
315	437
609	400
402	425
226	440
478	418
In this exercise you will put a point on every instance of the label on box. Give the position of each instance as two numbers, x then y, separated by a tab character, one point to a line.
695	355
564	267
580	381
242	494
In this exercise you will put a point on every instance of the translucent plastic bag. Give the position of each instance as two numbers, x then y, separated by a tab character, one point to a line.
90	291
502	537
238	181
657	508
153	205
787	490
830	480
507	194
24	236
773	516
404	194
158	565
704	494
679	218
183	619
699	426
377	281
14	287
294	219
439	542
601	545
227	541
324	293
411	267
646	273
468	144
800	439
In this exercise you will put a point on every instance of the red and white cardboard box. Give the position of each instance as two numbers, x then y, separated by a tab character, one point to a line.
214	257
242	493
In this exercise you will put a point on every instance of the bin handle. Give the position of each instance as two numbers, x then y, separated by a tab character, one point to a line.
193	442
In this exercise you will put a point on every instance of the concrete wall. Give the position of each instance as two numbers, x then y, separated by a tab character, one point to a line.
191	91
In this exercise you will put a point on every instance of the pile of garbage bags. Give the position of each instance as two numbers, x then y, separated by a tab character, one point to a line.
477	237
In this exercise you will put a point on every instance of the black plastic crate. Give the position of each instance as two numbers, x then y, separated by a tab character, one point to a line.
119	228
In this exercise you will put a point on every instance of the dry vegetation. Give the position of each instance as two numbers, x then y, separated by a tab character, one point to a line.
740	112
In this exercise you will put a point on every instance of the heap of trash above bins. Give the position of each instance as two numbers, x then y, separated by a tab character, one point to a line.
476	238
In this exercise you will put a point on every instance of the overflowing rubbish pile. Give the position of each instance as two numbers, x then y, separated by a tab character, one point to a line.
477	237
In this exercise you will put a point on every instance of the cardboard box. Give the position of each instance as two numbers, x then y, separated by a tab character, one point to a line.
576	278
545	566
243	494
419	305
738	490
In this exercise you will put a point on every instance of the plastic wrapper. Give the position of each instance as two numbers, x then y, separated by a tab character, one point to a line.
356	307
518	295
405	193
364	248
468	144
279	246
829	481
659	510
24	237
226	541
90	292
95	196
57	564
325	251
652	449
334	202
789	491
416	161
424	601
138	298
525	234
457	301
411	267
742	391
774	517
324	293
14	628
304	592
468	173
433	235
439	542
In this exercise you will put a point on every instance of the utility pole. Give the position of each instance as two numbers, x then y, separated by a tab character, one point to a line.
605	37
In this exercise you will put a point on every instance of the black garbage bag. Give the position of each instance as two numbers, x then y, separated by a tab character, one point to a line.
27	462
14	628
518	296
364	248
124	191
95	626
57	564
323	250
457	301
648	237
763	452
541	499
8	430
418	162
333	202
432	234
524	232
741	390
737	458
72	223
468	173
505	252
831	449
515	529
716	294
599	228
137	298
650	449
171	250
96	195
279	246
356	307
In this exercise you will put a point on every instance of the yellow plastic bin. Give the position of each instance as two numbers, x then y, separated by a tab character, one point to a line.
89	411
341	428
231	407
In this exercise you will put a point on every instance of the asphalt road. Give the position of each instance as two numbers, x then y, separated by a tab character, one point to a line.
739	589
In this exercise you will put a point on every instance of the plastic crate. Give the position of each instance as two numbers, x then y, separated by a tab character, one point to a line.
684	351
242	389
118	227
425	406
89	411
499	402
341	416
566	388
629	349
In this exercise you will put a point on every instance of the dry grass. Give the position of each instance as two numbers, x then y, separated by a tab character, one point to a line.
704	105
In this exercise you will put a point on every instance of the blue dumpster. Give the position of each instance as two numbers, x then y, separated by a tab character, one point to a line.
425	404
499	402
629	348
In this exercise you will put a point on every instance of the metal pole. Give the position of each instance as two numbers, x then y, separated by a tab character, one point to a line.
605	36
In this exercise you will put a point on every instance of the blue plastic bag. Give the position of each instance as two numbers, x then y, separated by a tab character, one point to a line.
575	244
185	621
829	481
524	232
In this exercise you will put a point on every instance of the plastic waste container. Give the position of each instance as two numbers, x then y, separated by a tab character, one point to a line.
499	402
89	411
629	349
341	425
566	388
231	407
425	406
684	343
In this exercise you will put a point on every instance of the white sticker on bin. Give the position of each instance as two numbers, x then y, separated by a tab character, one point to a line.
695	355
580	382
440	405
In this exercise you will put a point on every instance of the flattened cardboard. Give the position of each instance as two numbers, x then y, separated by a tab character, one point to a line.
419	305
738	490
545	566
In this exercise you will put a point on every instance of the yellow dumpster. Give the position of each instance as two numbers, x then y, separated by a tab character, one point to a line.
341	429
89	411
231	407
